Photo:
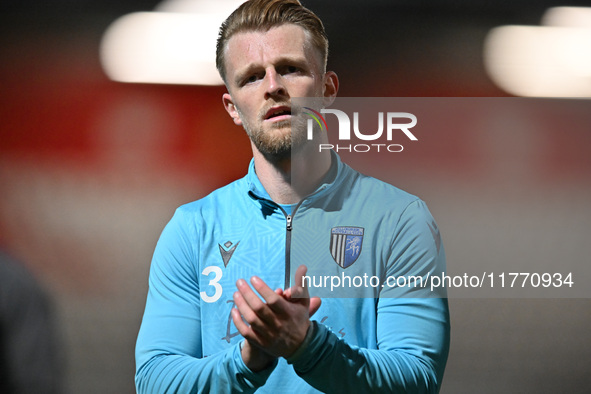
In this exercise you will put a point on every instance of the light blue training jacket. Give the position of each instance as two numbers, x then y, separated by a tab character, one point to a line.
352	226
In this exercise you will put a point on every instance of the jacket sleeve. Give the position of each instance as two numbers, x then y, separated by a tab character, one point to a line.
413	328
169	355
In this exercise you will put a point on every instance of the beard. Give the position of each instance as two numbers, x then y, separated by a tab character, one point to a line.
278	142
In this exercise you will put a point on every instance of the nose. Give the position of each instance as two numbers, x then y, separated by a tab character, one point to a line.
275	85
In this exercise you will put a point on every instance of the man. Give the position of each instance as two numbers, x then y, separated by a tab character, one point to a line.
30	350
212	321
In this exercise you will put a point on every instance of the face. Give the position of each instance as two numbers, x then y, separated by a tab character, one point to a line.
263	71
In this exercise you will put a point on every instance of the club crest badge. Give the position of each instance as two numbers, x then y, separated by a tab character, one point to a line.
345	244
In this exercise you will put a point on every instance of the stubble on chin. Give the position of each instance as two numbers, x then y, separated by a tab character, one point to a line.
277	142
273	142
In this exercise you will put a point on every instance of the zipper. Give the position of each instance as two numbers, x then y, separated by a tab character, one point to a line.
288	226
288	229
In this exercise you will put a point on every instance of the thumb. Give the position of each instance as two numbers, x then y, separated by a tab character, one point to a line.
299	291
315	303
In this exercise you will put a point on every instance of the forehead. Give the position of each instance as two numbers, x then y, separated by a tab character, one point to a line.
260	47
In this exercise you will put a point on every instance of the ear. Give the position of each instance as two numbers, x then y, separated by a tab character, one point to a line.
331	87
231	108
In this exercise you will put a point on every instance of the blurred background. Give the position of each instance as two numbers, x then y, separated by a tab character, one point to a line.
91	170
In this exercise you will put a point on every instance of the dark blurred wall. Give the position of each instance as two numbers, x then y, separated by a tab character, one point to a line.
91	170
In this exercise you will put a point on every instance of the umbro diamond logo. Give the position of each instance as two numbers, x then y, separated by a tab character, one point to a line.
227	253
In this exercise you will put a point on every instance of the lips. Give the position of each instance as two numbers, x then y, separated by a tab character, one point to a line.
278	112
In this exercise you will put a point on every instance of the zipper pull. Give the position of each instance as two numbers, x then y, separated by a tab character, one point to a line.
288	217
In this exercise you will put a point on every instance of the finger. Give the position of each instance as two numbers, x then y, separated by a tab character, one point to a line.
315	303
254	302
287	294
244	329
252	327
299	291
299	275
273	300
249	295
241	326
245	310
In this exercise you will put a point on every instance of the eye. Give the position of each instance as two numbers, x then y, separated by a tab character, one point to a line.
291	69
251	79
288	69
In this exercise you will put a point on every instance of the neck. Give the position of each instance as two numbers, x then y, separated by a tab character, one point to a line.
289	179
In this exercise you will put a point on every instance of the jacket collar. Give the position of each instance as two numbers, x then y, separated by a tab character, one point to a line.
257	191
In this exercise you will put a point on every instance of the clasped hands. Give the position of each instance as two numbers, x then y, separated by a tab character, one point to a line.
276	325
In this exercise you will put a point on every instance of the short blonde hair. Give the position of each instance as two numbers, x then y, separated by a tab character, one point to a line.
262	15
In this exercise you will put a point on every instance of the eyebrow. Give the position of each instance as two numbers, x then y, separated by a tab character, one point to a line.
253	67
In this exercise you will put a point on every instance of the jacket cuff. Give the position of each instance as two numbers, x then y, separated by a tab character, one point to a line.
312	349
246	375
